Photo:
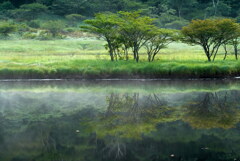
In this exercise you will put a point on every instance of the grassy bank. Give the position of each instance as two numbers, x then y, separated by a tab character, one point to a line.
86	59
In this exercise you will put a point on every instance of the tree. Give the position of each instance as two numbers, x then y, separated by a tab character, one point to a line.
218	8
212	110
29	11
105	26
210	34
136	30
235	41
179	5
159	40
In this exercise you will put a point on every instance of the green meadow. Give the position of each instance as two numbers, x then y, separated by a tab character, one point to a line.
87	59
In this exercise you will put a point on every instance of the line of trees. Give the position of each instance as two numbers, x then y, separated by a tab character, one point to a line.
127	31
177	7
169	13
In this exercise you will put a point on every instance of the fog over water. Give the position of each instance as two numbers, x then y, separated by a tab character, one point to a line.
120	120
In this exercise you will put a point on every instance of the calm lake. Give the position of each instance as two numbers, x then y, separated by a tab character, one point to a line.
120	120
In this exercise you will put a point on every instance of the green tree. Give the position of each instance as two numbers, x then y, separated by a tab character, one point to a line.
235	41
136	30
210	34
159	40
105	26
29	11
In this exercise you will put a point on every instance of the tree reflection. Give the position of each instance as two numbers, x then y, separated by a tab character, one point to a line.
212	110
132	127
128	116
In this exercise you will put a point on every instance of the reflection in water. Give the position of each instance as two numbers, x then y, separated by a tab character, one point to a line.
125	126
213	110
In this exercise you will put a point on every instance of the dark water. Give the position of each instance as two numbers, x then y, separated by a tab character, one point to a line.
116	120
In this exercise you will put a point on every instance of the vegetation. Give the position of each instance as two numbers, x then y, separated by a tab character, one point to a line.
167	12
211	34
67	59
133	30
7	28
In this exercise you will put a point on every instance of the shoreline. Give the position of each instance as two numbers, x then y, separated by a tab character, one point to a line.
115	79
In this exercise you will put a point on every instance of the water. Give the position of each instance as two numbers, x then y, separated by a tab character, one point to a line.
120	120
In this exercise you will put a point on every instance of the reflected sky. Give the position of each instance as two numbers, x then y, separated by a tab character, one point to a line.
126	121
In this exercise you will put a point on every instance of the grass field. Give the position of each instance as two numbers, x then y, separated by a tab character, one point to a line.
87	58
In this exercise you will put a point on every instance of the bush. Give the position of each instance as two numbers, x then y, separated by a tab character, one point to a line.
21	28
44	35
54	27
29	35
34	24
74	18
6	28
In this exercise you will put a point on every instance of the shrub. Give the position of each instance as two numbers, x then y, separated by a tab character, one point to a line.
6	28
34	24
54	27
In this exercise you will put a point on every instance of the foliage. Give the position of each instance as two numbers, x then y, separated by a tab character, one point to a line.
34	24
29	11
177	24
54	27
210	34
6	28
170	12
6	6
123	30
235	41
159	40
136	30
74	18
104	25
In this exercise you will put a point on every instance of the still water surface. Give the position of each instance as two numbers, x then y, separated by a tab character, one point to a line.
120	120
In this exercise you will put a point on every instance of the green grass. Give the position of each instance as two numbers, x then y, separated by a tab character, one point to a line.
87	58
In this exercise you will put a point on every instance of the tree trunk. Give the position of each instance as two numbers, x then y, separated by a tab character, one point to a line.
135	53
126	53
154	54
207	53
215	54
226	52
149	57
111	52
236	51
209	58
